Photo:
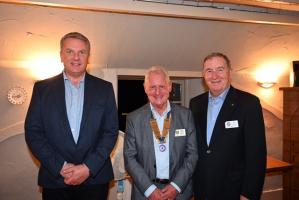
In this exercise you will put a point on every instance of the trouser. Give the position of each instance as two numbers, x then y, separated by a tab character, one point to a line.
99	192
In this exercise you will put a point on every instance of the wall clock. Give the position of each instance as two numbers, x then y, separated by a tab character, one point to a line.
17	95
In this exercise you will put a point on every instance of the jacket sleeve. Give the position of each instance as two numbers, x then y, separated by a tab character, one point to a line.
35	136
255	151
134	168
108	130
185	172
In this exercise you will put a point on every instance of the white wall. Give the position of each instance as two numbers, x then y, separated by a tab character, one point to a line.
31	34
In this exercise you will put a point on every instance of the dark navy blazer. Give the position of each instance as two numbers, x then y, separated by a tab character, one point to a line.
49	137
234	163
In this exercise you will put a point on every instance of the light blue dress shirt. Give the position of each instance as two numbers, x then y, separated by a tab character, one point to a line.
214	106
162	158
74	99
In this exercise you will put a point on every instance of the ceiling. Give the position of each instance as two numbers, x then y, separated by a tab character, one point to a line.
288	5
138	41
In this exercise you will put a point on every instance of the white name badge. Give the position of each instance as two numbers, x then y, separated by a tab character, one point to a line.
232	124
180	132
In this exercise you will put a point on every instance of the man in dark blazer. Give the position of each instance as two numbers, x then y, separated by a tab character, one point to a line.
71	127
231	137
160	147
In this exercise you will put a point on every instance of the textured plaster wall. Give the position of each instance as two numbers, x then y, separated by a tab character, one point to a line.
129	41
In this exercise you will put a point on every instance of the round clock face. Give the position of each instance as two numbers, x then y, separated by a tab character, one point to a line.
16	95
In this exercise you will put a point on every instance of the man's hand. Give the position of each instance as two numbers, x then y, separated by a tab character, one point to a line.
243	198
79	173
169	192
156	195
64	170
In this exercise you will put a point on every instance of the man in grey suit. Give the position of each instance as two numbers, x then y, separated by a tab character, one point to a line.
160	146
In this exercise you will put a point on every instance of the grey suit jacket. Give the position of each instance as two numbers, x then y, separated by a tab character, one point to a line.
139	151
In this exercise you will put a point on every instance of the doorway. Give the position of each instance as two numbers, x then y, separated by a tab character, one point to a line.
131	96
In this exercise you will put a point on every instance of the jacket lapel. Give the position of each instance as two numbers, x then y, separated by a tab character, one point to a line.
149	137
86	104
59	99
171	135
202	119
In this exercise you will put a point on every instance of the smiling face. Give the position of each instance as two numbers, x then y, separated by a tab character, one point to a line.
157	89
74	55
216	74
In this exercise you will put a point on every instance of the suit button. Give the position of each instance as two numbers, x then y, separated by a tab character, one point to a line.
208	151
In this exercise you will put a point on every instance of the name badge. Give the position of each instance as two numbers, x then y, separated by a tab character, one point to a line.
180	132
232	124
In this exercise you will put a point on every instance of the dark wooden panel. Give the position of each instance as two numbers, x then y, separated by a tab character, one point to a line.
291	141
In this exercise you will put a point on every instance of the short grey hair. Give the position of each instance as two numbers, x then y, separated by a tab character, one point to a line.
75	35
217	54
156	69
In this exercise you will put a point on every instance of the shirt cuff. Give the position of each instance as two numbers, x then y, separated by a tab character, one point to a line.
149	190
63	165
176	187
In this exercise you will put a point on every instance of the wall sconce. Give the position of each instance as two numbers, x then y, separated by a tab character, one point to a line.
266	85
44	66
267	74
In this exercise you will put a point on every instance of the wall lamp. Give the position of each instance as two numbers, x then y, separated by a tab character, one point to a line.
266	85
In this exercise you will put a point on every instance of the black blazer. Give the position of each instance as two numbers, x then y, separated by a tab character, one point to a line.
48	134
235	161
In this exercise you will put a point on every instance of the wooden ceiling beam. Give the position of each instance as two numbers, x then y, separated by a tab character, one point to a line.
281	5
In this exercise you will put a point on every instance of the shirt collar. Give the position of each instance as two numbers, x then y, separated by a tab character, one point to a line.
66	78
221	96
